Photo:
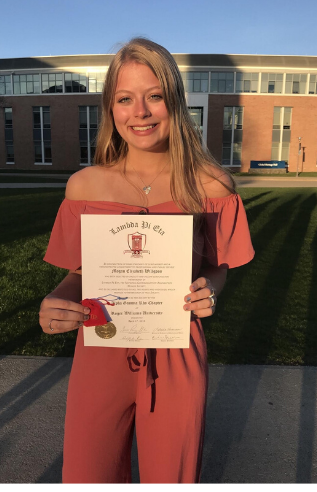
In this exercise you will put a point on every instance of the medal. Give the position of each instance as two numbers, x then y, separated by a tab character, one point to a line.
106	331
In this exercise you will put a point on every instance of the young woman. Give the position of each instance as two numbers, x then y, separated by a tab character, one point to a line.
149	159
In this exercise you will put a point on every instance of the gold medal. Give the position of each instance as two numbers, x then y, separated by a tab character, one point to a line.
106	331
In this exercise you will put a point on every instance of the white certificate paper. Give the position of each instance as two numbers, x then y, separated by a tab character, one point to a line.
146	262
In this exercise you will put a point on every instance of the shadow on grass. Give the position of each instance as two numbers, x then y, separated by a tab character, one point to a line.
27	214
258	330
257	196
263	318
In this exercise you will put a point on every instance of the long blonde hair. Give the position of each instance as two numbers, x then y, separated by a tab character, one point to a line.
187	156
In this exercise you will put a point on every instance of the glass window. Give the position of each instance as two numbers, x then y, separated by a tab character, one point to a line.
75	82
197	114
272	83
312	84
221	82
8	117
296	83
96	81
232	136
8	125
281	133
26	84
247	82
88	125
5	85
52	83
196	81
42	134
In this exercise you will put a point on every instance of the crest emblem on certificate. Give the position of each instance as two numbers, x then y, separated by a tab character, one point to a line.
136	243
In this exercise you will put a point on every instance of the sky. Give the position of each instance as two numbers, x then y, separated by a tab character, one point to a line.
70	27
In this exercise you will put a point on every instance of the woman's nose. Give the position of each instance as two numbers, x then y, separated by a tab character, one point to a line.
142	110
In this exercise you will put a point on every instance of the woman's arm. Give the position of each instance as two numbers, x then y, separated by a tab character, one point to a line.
60	310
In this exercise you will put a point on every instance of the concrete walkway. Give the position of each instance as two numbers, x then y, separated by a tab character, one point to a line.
261	422
273	182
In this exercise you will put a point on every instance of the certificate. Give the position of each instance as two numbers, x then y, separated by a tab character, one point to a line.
142	265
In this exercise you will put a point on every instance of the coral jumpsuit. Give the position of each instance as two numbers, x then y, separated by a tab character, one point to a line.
162	392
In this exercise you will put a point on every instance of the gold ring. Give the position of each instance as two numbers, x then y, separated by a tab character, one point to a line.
49	325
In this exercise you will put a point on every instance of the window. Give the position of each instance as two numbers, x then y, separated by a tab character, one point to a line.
272	83
232	136
247	82
96	81
196	81
295	83
75	82
281	135
52	82
221	82
197	115
26	84
5	85
8	135
42	135
88	126
312	84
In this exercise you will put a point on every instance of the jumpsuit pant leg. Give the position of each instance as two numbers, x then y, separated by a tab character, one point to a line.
170	439
105	398
100	412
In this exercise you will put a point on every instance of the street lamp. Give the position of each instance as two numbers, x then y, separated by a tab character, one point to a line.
299	152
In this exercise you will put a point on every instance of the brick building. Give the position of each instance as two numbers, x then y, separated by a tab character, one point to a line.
249	107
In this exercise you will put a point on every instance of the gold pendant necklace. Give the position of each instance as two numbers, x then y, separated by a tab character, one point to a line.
147	188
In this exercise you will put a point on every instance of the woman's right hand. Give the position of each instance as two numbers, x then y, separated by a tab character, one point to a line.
60	315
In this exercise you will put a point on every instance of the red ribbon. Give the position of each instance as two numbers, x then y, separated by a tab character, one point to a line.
97	315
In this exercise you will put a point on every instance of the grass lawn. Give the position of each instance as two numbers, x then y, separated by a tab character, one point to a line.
266	315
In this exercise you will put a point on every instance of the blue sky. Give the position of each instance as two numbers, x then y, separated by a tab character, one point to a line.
56	27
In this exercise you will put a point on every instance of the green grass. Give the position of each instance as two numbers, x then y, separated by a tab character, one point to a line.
266	314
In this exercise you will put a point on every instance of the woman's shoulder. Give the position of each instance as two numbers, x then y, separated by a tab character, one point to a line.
82	184
217	184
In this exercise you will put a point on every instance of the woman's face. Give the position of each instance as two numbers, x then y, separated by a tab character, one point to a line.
139	111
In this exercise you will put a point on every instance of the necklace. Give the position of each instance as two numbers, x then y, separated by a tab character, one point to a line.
147	188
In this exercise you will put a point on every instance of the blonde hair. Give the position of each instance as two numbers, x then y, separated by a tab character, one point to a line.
187	156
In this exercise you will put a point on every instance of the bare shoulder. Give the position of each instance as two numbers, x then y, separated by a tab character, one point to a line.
79	184
220	186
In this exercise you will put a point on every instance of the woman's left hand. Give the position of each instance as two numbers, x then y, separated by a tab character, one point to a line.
201	300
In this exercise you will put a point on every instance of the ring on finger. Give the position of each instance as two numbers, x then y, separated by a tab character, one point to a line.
49	325
213	300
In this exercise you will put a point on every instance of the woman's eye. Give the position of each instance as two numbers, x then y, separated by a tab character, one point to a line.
124	99
156	96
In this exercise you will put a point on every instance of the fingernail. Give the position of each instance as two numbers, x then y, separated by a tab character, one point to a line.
86	310
86	317
187	299
194	286
186	308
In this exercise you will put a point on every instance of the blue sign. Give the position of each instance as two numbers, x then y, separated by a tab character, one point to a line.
267	164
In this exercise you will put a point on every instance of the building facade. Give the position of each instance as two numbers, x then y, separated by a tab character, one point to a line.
248	108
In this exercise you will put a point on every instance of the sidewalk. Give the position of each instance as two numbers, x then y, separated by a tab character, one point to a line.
261	422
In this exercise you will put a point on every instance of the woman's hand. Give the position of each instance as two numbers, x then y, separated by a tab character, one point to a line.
60	315
201	300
